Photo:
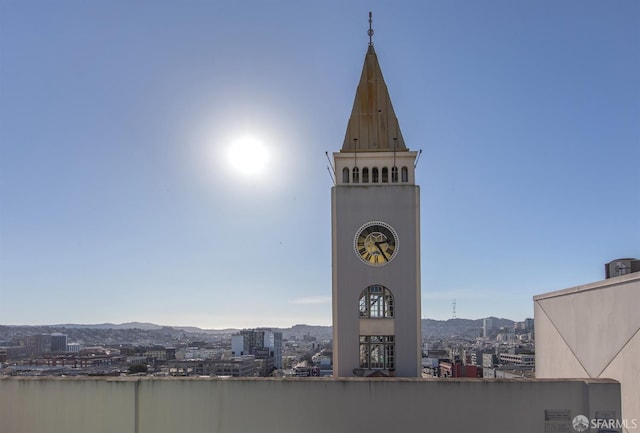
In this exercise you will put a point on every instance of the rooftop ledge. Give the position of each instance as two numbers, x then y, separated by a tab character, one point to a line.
635	276
294	379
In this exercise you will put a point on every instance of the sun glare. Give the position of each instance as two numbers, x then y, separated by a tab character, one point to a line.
248	155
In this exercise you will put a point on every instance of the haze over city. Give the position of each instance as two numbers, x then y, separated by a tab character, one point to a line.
130	188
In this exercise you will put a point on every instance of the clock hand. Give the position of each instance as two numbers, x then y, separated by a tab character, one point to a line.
380	249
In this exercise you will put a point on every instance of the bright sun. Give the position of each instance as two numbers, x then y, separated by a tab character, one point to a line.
248	155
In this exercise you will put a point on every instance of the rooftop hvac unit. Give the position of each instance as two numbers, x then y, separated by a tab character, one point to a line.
619	267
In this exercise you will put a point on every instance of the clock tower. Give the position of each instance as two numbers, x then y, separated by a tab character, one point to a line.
375	225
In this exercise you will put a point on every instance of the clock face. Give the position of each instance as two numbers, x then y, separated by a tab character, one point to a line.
376	243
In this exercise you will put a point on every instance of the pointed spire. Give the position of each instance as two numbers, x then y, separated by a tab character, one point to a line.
373	125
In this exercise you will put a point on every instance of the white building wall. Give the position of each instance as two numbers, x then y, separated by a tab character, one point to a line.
399	206
268	339
237	345
73	347
592	331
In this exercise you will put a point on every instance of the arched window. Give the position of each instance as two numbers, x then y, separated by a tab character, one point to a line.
365	175
356	175
405	174
376	302
394	174
345	175
374	174
385	175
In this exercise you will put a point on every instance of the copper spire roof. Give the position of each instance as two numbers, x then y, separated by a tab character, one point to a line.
373	125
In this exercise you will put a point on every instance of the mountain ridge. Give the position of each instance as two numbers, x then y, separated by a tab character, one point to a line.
431	328
498	322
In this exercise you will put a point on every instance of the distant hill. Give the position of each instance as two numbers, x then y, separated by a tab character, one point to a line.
150	333
128	325
300	331
459	328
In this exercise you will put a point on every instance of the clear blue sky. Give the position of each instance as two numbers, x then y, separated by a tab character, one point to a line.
118	202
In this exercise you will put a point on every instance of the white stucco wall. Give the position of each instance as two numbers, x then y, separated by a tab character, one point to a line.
199	405
398	206
592	331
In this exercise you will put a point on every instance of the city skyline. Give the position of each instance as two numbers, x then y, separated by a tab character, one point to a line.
119	203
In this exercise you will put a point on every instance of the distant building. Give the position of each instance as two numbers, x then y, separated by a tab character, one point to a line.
198	353
38	344
14	353
517	359
458	369
487	327
44	343
528	324
79	361
255	341
438	353
73	347
477	356
159	353
263	364
489	360
304	370
58	343
509	372
241	366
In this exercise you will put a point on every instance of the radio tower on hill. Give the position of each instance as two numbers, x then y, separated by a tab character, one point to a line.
453	316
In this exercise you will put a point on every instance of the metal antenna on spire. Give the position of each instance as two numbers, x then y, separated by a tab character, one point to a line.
370	32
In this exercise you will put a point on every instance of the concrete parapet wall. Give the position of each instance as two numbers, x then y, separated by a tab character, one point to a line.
208	405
